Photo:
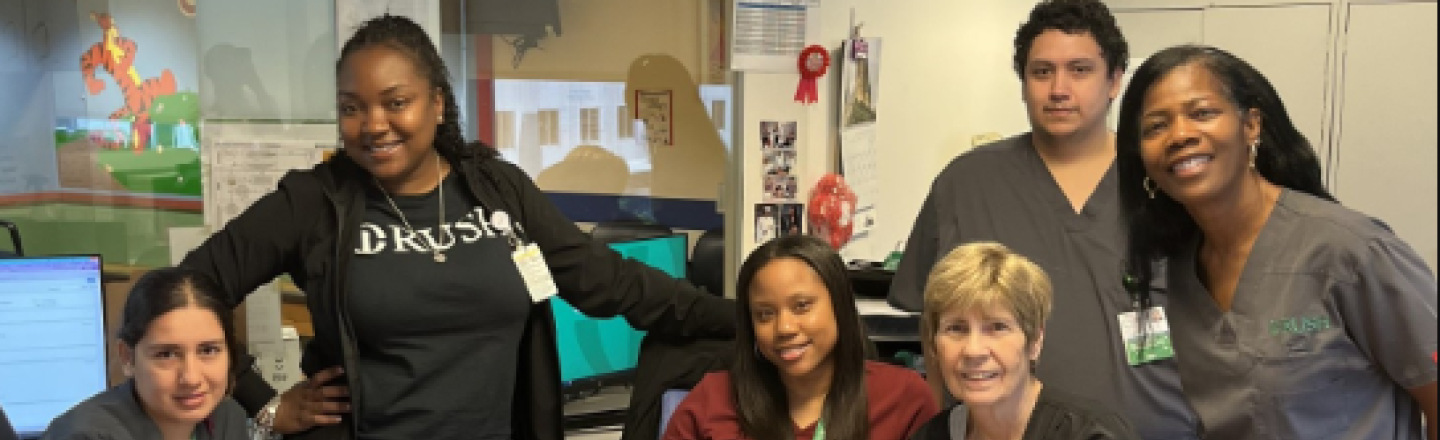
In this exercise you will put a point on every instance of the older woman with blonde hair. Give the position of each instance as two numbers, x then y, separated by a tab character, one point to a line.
981	330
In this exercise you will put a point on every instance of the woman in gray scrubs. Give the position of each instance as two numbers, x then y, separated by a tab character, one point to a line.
1291	316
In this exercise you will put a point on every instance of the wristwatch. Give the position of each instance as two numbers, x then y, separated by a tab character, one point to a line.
265	421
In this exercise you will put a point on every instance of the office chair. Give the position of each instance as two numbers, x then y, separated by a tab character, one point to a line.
668	401
627	230
707	262
7	432
14	240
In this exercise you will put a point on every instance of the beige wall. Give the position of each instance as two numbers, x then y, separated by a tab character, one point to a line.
600	38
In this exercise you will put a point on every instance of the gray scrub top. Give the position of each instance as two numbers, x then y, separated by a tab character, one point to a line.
1332	321
1003	192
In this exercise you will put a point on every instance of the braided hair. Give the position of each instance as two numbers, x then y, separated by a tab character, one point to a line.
402	34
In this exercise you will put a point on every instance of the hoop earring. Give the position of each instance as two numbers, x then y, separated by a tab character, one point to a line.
1149	187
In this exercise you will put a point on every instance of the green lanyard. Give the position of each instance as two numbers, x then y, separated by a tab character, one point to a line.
819	430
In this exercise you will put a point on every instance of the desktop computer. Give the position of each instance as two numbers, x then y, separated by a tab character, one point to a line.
52	337
600	353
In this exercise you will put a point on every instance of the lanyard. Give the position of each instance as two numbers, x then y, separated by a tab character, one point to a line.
819	430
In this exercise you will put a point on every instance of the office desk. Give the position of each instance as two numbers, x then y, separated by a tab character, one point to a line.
893	331
870	283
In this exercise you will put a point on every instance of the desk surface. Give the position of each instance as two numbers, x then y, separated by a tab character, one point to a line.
888	324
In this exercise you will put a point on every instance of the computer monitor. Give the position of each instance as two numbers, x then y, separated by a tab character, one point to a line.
595	352
52	337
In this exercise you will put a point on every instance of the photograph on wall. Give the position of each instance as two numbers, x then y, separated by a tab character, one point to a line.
776	134
791	219
779	188
767	222
778	162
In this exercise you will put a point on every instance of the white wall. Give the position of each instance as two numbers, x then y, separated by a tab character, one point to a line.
1385	162
945	77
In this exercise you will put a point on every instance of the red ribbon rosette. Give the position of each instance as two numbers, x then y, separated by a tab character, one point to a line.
813	62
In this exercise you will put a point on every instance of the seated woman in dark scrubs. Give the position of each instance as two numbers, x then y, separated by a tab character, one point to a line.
177	346
1292	316
981	330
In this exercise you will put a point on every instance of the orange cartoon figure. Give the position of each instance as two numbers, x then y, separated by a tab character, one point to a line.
116	54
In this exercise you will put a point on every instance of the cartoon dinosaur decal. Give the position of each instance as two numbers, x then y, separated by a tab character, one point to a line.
116	54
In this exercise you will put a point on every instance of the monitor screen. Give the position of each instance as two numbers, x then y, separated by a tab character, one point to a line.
592	350
52	337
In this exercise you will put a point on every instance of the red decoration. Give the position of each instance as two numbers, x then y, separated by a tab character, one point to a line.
813	63
832	207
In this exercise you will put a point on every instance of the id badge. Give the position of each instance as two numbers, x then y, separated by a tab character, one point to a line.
535	272
1146	340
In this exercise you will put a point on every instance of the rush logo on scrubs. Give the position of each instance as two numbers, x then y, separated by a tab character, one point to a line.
1299	325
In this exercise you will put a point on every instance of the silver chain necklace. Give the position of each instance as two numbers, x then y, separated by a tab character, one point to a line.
439	227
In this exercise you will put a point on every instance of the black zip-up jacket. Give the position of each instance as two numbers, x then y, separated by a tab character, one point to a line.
306	228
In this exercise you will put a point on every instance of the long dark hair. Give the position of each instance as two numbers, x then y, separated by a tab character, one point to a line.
1161	227
760	398
166	289
401	33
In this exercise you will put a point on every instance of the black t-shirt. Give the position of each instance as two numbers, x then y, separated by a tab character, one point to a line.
438	342
1057	416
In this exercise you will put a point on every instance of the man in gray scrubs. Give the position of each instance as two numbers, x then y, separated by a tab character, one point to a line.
1051	196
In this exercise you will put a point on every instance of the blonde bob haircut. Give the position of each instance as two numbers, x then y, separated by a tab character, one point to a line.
983	276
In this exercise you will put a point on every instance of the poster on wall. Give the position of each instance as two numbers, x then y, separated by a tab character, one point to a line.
778	158
245	161
769	34
133	127
859	151
656	108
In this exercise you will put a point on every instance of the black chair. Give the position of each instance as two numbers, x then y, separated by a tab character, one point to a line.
7	432
707	262
627	230
19	250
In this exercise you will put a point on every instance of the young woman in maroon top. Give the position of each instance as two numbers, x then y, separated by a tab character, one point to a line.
801	368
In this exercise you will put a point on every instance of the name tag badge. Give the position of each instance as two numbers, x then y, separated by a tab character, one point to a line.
536	273
1146	341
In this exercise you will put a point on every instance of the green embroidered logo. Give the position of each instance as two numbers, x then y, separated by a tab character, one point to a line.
1299	325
